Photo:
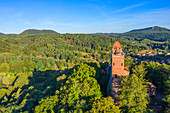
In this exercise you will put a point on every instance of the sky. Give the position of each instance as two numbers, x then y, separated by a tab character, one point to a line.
83	16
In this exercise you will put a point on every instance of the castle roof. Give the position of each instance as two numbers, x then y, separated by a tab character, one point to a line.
126	68
117	44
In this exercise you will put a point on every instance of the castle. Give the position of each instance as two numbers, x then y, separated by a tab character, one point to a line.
117	63
117	70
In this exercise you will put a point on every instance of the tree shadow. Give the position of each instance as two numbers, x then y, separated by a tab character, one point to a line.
43	84
102	79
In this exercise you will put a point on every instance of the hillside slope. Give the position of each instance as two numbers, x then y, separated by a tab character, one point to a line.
35	31
155	29
2	33
155	33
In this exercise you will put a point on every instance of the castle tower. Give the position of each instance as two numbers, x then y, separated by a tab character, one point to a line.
117	70
117	60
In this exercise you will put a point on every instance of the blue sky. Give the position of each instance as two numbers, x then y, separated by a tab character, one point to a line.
83	16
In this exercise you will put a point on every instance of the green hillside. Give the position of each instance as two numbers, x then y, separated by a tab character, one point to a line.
1	33
35	31
155	33
155	29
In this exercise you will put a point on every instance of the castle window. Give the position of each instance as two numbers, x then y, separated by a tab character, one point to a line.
113	63
121	64
116	76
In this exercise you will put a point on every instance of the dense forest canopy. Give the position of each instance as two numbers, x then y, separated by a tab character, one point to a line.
44	71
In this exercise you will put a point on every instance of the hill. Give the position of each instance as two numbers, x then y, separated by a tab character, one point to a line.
35	31
155	33
155	29
2	33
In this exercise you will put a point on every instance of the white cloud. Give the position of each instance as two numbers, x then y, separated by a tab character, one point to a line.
129	7
122	23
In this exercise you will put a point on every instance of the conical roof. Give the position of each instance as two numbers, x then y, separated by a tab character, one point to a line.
117	44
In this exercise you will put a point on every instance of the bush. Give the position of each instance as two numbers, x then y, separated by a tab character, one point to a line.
2	86
21	81
3	92
6	80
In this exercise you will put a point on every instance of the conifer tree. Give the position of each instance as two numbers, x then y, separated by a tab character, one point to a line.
133	94
104	105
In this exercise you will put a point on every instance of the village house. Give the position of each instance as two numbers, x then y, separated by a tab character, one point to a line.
143	54
138	54
168	53
104	61
150	54
128	54
155	52
160	53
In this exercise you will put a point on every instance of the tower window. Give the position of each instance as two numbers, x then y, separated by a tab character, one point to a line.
121	64
113	63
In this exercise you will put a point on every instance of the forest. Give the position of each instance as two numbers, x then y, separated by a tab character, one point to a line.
51	72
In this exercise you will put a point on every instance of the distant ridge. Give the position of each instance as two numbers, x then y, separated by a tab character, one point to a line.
155	29
35	31
153	33
2	34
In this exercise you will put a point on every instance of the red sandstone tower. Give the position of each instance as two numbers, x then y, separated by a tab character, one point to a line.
117	60
118	68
